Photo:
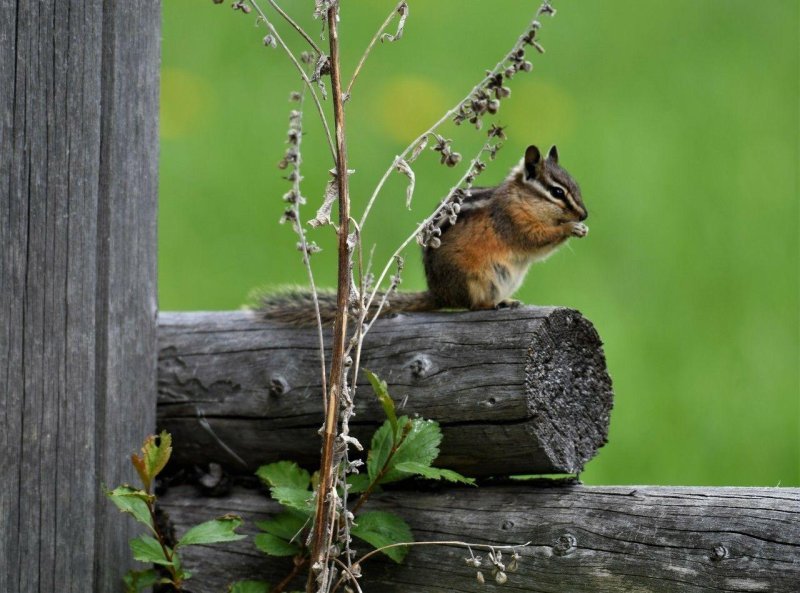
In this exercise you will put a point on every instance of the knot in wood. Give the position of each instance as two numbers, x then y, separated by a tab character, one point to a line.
507	525
214	482
719	553
278	385
565	545
419	366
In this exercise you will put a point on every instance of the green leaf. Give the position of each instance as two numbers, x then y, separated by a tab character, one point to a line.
433	473
294	498
147	549
285	525
382	392
153	459
379	450
420	445
211	532
358	483
276	546
134	502
284	474
136	580
382	529
249	587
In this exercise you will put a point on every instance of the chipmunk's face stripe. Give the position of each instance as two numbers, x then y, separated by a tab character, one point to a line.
566	198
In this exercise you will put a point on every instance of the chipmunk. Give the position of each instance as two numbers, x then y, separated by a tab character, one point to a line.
482	258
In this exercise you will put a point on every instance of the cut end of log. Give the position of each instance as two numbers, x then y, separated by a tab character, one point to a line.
570	390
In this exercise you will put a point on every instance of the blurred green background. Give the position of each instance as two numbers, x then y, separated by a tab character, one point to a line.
680	121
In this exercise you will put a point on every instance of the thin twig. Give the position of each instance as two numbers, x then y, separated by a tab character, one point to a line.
294	60
353	578
297	27
450	543
287	580
306	255
419	228
500	65
372	43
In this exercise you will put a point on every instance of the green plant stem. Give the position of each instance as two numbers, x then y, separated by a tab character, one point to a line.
366	494
176	581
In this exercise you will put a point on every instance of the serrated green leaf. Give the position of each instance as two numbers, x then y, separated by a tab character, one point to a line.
382	392
276	546
358	483
136	580
249	587
284	474
153	459
294	498
147	549
420	445
285	525
379	450
382	529
214	531
432	473
134	502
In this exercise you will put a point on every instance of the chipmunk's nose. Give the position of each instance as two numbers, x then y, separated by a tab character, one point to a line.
584	214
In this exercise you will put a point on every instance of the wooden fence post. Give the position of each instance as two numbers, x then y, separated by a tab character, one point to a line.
78	168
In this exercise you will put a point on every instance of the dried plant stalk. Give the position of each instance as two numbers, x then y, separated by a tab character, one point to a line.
326	493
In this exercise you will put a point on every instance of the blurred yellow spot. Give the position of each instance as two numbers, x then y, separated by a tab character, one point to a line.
185	98
408	105
538	112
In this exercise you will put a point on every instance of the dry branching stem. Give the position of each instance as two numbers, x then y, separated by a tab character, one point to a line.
302	72
372	43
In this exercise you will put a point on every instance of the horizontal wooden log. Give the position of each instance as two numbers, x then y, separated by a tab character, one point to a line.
515	391
583	539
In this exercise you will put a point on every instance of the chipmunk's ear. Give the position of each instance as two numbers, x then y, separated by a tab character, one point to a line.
532	158
553	154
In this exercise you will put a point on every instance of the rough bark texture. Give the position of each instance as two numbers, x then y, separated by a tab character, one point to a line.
583	539
78	164
519	391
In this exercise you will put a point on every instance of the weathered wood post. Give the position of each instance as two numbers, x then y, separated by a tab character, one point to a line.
78	166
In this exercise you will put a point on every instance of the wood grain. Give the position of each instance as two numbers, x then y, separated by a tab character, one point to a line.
79	148
516	391
583	539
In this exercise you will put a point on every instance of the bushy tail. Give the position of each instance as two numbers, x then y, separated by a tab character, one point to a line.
296	305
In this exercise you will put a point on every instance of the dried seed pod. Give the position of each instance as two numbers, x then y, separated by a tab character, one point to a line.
240	5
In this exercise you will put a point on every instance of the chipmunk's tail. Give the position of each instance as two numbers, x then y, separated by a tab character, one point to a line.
296	305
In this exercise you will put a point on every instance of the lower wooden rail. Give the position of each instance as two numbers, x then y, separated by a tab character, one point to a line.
583	539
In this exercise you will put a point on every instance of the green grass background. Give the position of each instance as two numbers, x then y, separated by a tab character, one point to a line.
680	121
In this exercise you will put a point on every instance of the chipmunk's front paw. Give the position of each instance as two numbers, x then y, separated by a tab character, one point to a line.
508	304
579	229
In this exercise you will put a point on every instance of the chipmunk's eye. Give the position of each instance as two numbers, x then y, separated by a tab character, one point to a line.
557	192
